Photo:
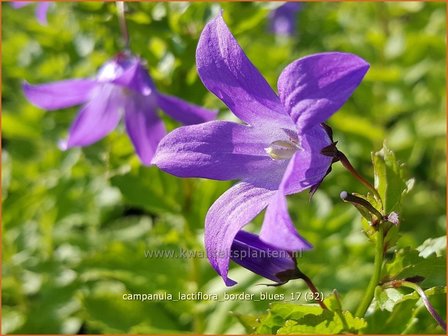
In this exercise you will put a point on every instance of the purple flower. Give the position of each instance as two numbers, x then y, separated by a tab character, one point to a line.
282	20
272	263
276	152
41	9
122	86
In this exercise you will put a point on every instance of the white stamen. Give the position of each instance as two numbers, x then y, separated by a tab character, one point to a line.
282	149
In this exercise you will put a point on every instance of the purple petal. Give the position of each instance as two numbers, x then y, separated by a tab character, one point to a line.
232	211
98	117
130	73
263	259
278	229
220	150
57	95
143	125
20	4
41	12
184	112
227	72
282	20
306	168
314	87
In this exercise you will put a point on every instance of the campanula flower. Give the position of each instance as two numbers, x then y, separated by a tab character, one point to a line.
274	153
41	9
268	261
122	88
283	20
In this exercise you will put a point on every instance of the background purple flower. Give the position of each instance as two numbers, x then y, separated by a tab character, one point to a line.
274	154
41	9
283	20
121	87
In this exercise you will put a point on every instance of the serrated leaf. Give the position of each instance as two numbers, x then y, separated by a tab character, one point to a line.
387	298
324	324
287	318
280	312
354	323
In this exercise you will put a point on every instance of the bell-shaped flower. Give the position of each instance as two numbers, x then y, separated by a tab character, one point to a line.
283	20
122	88
41	9
276	152
278	265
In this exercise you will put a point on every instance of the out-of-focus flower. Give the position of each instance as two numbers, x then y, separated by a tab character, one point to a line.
283	20
41	9
277	152
122	88
268	261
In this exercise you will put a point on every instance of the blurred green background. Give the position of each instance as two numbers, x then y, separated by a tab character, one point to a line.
76	224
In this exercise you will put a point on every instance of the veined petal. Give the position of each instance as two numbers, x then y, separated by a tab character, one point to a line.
98	117
184	112
227	72
41	12
143	125
263	259
231	212
57	95
306	168
315	87
220	150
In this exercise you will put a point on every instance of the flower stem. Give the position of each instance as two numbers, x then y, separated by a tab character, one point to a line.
314	290
339	311
123	24
347	165
403	283
379	256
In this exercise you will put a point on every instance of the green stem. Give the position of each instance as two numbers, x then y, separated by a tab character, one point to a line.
190	239
379	255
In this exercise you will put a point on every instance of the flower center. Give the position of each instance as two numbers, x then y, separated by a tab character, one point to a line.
282	149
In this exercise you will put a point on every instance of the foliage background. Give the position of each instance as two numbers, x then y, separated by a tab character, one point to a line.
76	224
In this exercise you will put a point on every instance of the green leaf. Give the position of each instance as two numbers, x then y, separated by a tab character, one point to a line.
387	298
389	180
149	189
288	318
392	236
432	245
103	310
408	263
326	323
249	322
397	312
